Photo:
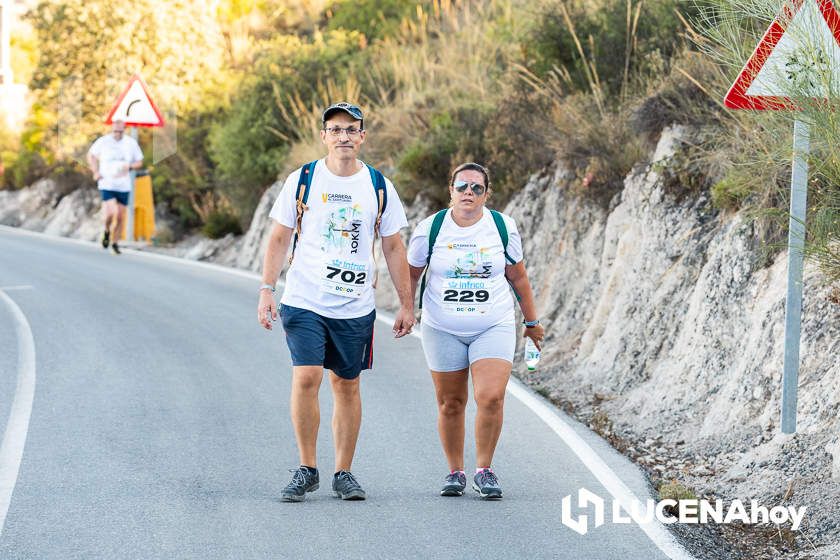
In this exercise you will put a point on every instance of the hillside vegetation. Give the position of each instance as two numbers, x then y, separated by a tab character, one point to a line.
513	84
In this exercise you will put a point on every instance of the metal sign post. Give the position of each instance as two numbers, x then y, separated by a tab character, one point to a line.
796	54
796	251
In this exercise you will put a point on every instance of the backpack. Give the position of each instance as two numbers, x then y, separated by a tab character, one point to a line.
434	230
305	181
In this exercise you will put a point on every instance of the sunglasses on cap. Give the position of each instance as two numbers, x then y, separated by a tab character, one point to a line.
477	188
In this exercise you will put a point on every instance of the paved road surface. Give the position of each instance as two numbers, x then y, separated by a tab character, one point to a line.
160	429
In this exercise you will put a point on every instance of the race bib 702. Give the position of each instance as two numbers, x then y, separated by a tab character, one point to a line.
344	278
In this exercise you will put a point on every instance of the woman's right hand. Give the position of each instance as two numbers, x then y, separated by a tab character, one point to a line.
266	309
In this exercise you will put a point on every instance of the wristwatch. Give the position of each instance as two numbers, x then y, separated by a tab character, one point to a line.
529	324
267	287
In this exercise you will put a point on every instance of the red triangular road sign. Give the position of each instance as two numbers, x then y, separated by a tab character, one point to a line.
761	84
135	106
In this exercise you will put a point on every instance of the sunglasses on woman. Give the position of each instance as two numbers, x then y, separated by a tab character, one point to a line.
476	188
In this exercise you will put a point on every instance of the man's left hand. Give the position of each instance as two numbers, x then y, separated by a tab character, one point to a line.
404	322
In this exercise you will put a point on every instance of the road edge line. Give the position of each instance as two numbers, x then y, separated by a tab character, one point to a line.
17	428
655	531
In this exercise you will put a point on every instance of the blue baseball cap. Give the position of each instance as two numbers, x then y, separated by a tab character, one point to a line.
348	108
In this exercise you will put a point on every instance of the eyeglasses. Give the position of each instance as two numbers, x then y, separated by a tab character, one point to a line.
337	130
477	188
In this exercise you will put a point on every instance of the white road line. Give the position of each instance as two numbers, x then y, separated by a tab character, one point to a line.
14	440
655	531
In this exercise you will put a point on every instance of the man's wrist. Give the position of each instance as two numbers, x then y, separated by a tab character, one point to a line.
531	324
267	287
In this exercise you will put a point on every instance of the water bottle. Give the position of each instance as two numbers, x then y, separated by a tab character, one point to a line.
532	354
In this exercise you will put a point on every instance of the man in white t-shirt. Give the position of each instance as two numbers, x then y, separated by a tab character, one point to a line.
327	308
111	157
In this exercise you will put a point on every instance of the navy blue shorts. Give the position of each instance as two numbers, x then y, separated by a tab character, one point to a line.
342	345
122	197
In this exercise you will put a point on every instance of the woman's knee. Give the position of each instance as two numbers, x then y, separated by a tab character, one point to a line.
452	405
490	400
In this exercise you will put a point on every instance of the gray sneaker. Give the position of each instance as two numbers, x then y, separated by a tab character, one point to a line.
487	485
346	486
304	479
454	484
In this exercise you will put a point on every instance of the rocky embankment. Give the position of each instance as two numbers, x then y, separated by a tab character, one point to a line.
663	335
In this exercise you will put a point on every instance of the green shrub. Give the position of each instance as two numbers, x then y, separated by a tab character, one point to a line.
220	223
188	176
374	18
729	193
455	135
519	139
615	44
247	143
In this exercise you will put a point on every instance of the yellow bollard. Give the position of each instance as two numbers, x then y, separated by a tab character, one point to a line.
144	208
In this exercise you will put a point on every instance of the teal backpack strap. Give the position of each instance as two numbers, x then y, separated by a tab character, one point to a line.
503	233
434	230
302	195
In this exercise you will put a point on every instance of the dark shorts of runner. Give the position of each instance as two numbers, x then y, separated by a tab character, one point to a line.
343	345
122	197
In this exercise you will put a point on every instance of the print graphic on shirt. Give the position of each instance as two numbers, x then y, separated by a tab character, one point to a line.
345	268
475	264
466	287
342	230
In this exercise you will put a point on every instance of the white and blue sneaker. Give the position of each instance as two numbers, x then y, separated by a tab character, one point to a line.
454	484
486	484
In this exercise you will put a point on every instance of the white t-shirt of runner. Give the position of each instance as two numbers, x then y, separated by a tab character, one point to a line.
466	290
113	155
332	270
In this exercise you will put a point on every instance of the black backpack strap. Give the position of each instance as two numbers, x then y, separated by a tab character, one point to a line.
434	230
381	192
302	196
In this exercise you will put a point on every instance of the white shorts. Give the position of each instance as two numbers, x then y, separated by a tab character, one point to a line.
450	352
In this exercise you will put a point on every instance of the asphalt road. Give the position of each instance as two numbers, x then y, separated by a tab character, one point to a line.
160	429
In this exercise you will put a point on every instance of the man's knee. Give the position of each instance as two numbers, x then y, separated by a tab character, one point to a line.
344	388
307	379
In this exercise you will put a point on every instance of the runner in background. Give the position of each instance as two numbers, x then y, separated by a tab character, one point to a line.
111	157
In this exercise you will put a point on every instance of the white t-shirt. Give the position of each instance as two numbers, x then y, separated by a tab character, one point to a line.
332	270
112	156
466	289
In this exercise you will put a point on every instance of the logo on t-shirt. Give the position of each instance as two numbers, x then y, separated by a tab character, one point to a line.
460	246
336	198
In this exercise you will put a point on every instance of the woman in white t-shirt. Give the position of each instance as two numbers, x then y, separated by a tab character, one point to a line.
468	318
